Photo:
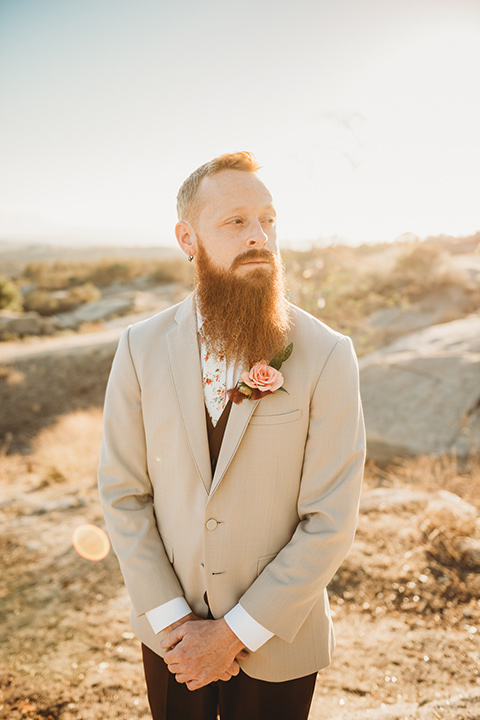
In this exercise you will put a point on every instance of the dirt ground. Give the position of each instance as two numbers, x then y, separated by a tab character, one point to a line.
406	602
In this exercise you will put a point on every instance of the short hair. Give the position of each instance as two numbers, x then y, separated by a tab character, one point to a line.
187	205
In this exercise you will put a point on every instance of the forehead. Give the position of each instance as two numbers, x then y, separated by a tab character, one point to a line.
233	189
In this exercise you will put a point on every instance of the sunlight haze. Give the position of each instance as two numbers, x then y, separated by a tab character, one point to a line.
363	114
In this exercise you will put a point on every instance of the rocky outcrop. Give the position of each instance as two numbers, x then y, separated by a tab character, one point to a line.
421	394
18	324
443	305
119	304
104	309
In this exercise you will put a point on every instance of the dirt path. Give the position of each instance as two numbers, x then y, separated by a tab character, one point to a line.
11	352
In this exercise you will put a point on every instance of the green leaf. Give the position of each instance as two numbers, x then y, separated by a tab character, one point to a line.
287	352
278	359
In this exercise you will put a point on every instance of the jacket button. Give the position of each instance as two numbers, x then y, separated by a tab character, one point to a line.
211	524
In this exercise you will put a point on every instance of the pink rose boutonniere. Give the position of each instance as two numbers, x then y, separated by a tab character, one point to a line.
262	379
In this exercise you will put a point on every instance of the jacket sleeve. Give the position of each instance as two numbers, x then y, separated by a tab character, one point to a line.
126	493
285	592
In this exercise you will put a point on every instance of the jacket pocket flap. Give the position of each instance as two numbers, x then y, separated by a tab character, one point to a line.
276	419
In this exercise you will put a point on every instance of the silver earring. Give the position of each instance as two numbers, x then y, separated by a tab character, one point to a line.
190	258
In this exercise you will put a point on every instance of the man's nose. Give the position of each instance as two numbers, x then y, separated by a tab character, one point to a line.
257	236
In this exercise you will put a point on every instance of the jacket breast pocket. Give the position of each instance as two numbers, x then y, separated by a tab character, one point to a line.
280	419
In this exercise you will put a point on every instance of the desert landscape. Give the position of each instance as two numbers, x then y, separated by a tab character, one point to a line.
406	600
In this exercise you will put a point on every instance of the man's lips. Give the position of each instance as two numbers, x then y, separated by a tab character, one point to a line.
253	257
256	262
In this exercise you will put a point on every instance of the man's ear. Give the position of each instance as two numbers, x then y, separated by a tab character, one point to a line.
186	238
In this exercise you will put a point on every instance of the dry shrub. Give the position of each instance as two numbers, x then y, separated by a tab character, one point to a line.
422	267
172	271
444	533
12	466
10	296
437	554
54	275
343	286
47	302
444	529
69	449
61	275
460	476
106	272
84	294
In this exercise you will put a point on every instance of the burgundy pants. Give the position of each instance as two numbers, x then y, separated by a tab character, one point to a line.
240	698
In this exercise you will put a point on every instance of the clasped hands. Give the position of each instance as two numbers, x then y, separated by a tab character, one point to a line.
200	651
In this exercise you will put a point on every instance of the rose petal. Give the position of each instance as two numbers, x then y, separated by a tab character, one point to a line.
245	377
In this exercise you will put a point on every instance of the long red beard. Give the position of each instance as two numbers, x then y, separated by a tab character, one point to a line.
246	317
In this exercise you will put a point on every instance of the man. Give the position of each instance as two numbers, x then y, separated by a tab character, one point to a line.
230	469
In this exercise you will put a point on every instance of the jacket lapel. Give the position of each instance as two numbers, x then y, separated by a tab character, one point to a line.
237	424
184	358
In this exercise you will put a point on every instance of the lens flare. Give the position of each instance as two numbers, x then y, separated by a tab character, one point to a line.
91	542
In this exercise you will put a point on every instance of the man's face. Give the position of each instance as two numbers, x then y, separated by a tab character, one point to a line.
235	214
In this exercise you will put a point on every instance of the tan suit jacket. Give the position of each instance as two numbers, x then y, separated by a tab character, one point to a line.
274	523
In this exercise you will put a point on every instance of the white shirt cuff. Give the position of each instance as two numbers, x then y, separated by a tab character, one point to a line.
249	631
164	615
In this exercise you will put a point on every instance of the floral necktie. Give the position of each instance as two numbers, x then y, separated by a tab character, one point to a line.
213	381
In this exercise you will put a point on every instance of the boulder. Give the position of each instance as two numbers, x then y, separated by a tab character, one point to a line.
440	502
470	264
67	321
470	549
394	321
451	505
19	323
421	394
392	500
450	303
104	309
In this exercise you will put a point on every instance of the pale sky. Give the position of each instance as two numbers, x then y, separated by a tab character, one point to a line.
365	114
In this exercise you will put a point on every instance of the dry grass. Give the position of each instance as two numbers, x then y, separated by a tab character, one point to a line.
66	451
343	286
69	449
61	274
460	476
340	285
433	535
404	586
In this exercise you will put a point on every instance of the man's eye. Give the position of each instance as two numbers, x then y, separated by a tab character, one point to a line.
269	221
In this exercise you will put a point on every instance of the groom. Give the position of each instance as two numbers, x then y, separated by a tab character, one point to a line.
230	468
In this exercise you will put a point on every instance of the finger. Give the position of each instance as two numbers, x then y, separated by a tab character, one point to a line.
175	654
184	668
170	659
173	637
183	678
180	667
234	669
195	684
242	655
225	677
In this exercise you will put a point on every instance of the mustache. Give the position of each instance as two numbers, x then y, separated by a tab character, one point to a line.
250	255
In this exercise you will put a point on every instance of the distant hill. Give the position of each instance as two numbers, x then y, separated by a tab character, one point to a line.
14	255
